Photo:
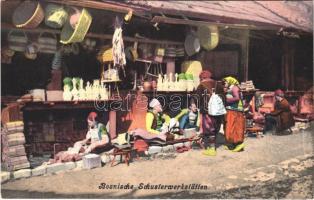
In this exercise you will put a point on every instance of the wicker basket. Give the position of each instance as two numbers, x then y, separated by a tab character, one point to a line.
209	36
47	42
192	44
70	35
17	40
55	16
28	14
105	55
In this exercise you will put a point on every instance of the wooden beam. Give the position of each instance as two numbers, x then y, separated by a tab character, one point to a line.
6	26
168	20
111	6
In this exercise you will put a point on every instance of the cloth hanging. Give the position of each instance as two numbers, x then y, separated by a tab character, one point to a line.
118	46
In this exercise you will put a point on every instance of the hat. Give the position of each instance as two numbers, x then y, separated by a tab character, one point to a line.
279	93
92	116
205	74
153	103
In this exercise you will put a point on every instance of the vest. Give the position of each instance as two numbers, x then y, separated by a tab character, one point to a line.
157	118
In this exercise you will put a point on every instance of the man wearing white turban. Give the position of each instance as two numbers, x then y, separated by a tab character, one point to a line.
156	120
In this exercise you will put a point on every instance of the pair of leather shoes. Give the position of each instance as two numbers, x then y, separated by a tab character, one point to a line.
182	149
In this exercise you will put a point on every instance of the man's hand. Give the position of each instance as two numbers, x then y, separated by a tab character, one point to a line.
91	147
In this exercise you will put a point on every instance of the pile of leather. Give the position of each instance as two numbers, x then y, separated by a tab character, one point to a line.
13	150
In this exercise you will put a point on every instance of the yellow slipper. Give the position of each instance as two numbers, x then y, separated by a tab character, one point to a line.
238	148
227	148
210	151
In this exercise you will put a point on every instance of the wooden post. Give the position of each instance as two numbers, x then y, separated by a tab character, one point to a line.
113	124
171	67
246	59
288	64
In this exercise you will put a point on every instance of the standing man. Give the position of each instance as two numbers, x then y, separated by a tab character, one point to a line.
210	124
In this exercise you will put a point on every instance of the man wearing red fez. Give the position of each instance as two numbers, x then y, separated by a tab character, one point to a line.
281	118
97	135
210	124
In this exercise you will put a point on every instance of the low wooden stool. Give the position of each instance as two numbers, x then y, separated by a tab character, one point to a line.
122	152
254	129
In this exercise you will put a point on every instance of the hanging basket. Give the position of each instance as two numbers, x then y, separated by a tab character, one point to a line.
209	36
70	35
191	44
105	55
47	42
17	40
28	14
192	67
55	16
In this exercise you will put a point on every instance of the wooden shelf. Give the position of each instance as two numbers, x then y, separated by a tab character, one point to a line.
62	105
6	26
110	81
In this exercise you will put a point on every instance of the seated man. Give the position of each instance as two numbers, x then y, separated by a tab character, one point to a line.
189	117
96	136
156	121
96	139
281	118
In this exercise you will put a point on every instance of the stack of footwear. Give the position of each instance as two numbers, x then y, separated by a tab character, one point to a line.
13	150
248	86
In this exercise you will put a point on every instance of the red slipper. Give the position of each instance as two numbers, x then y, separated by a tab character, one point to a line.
185	148
180	150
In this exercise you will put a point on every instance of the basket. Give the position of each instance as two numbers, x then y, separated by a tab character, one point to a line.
192	67
48	43
192	44
70	35
105	55
17	40
208	36
55	16
28	14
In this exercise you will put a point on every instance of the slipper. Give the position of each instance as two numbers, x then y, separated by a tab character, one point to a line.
185	148
180	150
238	148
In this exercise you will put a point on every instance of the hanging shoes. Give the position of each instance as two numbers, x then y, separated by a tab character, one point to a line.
210	151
